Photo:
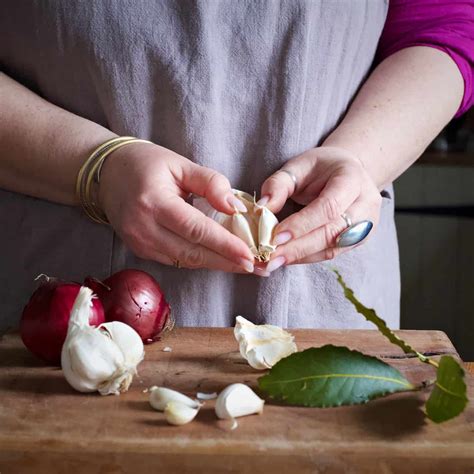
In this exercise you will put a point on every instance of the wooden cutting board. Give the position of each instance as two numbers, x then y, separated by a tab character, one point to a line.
46	427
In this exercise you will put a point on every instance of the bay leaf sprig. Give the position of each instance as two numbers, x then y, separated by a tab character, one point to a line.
332	376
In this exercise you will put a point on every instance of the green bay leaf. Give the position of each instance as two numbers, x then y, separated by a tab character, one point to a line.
371	316
448	398
331	376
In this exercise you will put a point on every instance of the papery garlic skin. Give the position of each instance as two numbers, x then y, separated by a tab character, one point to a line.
100	359
238	400
160	397
178	414
262	345
255	227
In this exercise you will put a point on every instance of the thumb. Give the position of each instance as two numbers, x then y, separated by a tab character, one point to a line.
278	188
212	185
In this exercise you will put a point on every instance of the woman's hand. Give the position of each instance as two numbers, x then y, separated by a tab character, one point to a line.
143	190
330	182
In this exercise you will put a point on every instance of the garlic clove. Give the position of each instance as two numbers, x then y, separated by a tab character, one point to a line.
262	345
177	413
206	396
238	400
241	228
128	340
266	227
161	396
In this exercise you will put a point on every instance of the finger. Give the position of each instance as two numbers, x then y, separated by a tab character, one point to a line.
213	186
279	187
321	243
191	224
168	248
339	193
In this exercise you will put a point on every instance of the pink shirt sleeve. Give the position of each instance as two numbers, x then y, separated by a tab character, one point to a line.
447	25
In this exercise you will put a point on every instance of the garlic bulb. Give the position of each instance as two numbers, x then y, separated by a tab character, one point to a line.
262	345
177	413
100	359
255	227
161	396
238	400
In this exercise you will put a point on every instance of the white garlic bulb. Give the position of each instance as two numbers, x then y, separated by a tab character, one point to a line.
238	400
161	396
255	226
262	345
100	359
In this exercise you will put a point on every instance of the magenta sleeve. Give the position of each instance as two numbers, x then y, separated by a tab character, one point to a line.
447	25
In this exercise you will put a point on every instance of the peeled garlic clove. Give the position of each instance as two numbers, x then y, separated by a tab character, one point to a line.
161	396
262	345
177	413
238	400
91	359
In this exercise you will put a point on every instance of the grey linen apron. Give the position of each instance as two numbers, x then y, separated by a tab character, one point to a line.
238	86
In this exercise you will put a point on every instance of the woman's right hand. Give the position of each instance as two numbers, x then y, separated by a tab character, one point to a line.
143	190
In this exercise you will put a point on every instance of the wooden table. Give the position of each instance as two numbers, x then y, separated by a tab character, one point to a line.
46	427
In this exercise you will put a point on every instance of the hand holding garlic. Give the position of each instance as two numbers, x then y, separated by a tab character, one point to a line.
254	226
102	358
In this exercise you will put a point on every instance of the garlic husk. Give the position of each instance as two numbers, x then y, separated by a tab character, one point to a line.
100	359
161	396
255	227
262	345
177	413
238	400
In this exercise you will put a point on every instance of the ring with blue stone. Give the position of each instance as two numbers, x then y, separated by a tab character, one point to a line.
353	233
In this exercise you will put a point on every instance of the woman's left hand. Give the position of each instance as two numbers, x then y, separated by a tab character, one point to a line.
330	182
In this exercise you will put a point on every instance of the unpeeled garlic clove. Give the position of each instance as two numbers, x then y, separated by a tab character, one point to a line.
238	400
241	228
100	359
266	226
262	345
160	397
178	413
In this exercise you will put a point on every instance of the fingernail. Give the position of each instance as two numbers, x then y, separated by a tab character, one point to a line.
274	264
261	272
247	265
237	203
282	238
263	200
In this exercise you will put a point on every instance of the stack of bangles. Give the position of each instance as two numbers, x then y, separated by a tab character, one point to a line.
88	178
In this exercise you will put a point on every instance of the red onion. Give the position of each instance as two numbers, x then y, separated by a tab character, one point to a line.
44	322
134	297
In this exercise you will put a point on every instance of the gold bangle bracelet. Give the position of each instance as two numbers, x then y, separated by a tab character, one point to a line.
93	156
89	174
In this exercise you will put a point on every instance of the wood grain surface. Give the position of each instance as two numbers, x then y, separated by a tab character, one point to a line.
46	427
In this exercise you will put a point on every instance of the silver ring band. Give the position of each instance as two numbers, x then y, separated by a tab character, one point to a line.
347	219
292	176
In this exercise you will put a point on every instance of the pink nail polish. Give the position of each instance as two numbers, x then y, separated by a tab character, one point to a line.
282	238
247	265
263	200
237	203
275	264
261	272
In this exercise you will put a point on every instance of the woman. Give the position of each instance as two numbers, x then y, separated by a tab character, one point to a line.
230	93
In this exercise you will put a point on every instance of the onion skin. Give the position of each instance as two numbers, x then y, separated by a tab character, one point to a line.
135	298
45	318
